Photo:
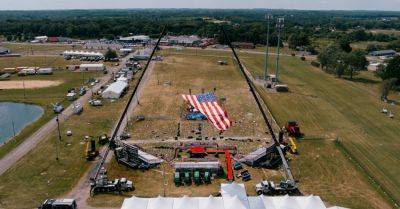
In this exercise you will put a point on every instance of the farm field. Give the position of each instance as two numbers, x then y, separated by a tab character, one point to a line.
36	61
161	104
43	97
330	108
40	49
364	44
388	32
38	175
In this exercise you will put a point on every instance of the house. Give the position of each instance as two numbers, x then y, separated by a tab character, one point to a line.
385	53
115	90
243	45
92	67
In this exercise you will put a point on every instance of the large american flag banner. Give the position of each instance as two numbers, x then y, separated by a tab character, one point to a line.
207	104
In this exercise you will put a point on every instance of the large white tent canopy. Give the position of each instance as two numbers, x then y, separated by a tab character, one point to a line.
233	196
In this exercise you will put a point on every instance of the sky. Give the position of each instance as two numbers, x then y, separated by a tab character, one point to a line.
391	5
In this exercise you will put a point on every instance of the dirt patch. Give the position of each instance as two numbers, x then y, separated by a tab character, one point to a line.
32	84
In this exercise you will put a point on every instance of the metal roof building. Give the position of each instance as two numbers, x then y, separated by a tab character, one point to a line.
115	90
383	53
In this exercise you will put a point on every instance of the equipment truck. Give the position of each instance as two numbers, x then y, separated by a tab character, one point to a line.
284	187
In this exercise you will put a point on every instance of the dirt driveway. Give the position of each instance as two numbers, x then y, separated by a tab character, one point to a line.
29	84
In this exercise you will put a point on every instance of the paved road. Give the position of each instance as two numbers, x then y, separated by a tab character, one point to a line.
16	154
81	191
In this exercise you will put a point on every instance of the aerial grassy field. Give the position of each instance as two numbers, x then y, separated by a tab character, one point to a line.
38	176
161	104
329	108
36	61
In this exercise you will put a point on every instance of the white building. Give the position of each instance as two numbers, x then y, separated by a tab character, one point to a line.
40	39
135	39
115	90
92	67
233	196
45	71
78	54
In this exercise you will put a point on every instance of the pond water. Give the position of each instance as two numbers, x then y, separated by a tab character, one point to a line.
16	116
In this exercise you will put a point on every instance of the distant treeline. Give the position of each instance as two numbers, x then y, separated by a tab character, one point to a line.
245	25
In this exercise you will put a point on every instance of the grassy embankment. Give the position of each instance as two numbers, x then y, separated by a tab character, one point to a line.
329	108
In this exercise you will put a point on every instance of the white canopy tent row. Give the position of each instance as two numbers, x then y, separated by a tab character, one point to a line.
83	54
233	196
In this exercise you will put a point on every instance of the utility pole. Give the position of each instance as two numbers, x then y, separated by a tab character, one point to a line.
59	138
280	24
268	17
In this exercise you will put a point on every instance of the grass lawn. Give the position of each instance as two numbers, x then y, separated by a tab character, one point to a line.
38	176
36	61
327	107
363	44
161	105
162	102
323	169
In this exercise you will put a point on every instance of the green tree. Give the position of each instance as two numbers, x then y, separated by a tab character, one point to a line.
110	54
387	86
298	40
344	44
355	62
392	70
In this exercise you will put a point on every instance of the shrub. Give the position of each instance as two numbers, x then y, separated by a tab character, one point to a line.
315	64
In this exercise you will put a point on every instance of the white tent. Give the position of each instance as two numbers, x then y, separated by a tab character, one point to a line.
211	202
233	197
160	203
311	201
256	202
286	202
135	203
186	203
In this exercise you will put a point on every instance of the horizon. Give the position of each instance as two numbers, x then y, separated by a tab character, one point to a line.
307	5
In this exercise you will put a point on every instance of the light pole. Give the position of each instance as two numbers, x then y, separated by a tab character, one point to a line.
280	24
268	17
59	138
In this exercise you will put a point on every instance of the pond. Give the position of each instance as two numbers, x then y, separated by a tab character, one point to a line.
16	116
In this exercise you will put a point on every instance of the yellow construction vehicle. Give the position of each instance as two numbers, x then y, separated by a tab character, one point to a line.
91	152
292	145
